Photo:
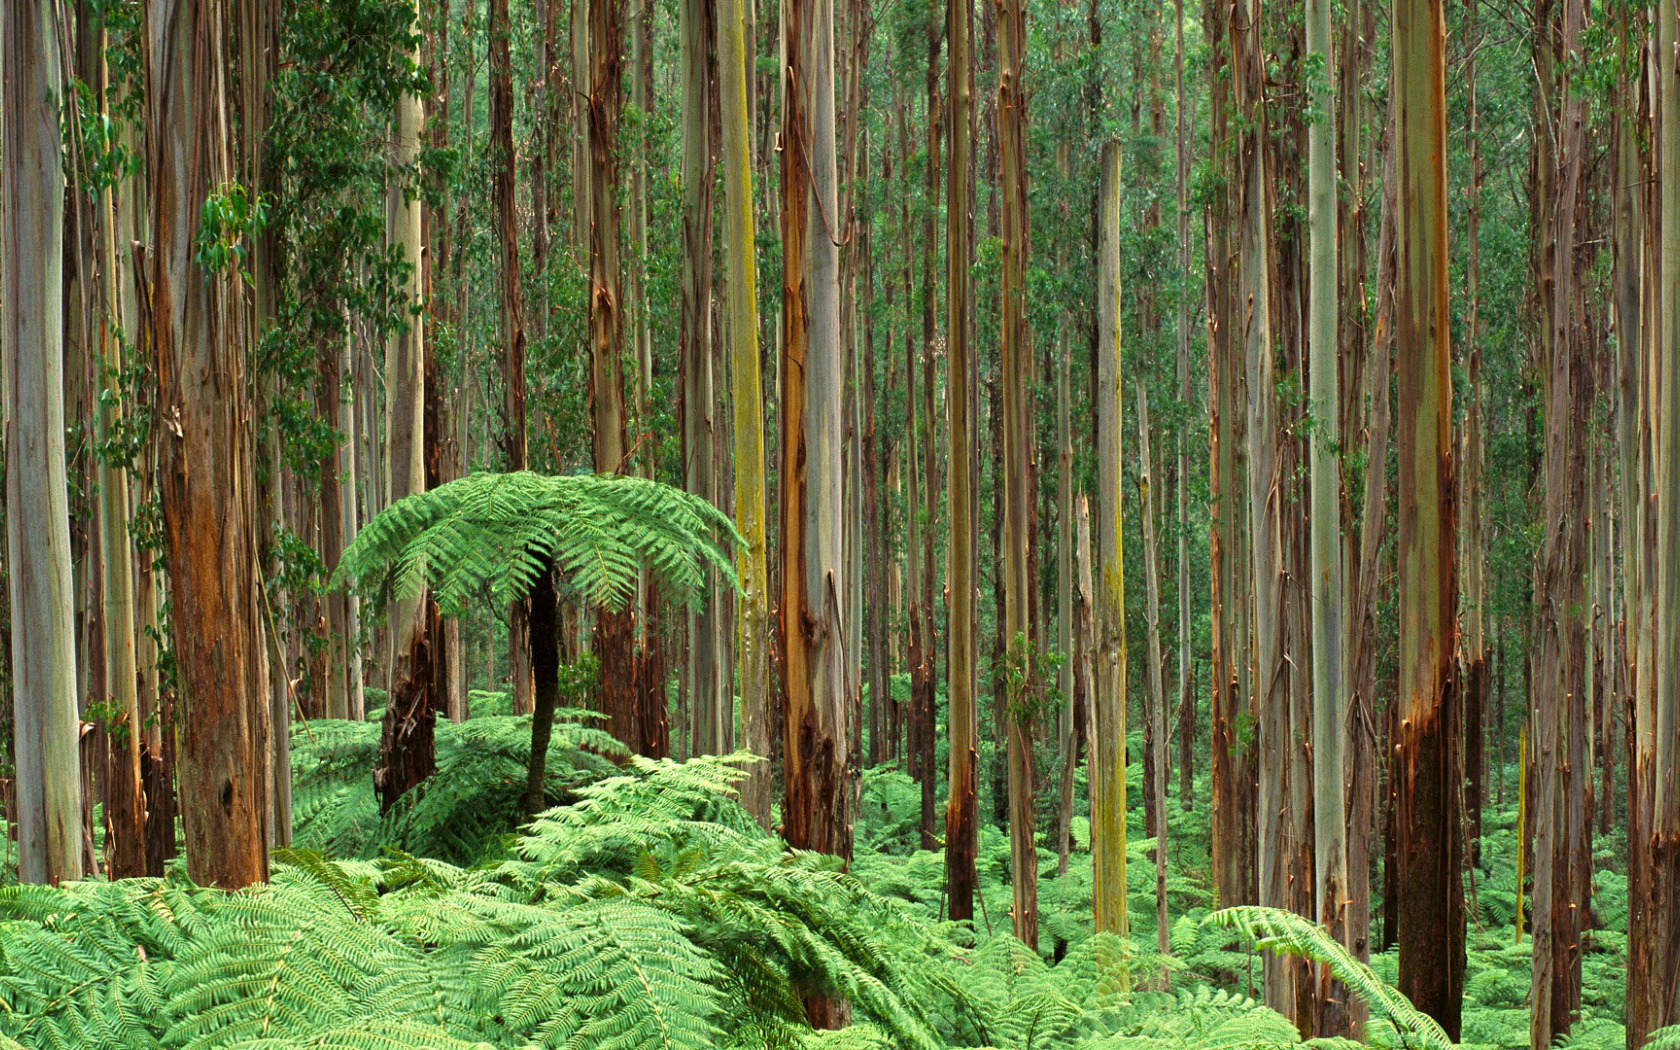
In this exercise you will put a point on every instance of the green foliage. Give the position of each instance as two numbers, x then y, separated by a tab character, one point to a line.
493	534
1394	1020
474	799
650	913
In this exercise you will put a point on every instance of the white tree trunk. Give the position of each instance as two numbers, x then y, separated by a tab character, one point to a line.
49	782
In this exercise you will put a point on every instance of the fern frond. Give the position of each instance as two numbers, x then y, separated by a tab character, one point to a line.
1278	930
496	533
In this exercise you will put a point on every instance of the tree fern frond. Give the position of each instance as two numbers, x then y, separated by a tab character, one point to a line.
1274	929
496	533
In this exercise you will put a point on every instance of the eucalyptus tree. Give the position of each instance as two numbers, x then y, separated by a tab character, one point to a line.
1429	884
713	720
1560	761
641	730
1277	823
1328	592
512	313
406	753
1654	964
1108	704
43	637
747	395
1015	391
818	758
962	489
201	342
1157	771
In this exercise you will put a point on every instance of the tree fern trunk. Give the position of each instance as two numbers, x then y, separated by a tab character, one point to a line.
545	672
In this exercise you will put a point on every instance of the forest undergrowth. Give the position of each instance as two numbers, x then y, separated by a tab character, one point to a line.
648	909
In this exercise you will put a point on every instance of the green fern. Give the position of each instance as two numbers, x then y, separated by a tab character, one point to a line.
1394	1020
651	912
492	535
475	798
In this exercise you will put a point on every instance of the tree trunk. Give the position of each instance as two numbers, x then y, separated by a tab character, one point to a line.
1277	845
1655	953
962	488
545	676
734	63
407	754
201	343
1018	431
614	631
43	669
1108	707
125	799
1475	542
1329	682
1157	771
1233	815
817	811
712	704
1431	905
1560	681
506	199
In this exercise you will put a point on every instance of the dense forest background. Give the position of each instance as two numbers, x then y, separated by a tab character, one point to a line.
694	522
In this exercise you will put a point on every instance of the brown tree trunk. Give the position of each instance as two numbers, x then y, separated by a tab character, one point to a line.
962	488
1233	801
1428	803
545	675
817	810
614	630
713	729
512	313
1560	680
200	341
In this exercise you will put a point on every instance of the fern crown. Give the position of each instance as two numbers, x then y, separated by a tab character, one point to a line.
492	535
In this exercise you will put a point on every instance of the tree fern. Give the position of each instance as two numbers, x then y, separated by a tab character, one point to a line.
491	535
1394	1019
651	912
474	798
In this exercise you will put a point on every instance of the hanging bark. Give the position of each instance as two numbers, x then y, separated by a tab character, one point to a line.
1431	895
